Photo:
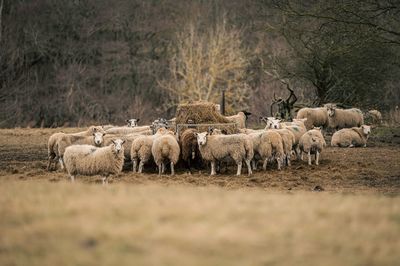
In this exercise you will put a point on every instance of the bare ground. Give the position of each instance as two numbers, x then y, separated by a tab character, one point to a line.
23	154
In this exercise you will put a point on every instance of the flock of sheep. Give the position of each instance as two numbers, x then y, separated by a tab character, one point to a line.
103	150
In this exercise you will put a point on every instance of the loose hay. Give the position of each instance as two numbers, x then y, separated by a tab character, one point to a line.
202	113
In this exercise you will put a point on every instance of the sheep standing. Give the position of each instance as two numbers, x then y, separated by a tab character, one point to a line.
128	140
91	160
288	143
189	147
141	149
267	145
165	148
52	148
240	119
67	140
316	117
344	118
312	143
143	130
214	148
351	137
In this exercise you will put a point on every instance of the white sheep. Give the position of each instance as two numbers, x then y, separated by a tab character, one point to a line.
351	137
67	140
344	118
240	119
141	149
214	148
143	130
297	127
267	145
128	140
165	148
288	142
52	148
312	143
316	117
91	160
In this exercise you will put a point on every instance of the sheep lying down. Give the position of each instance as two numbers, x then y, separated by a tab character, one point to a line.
351	137
92	160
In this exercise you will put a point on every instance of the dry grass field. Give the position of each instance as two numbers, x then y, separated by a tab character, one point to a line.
270	218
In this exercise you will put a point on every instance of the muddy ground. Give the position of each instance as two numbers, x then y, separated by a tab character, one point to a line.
23	154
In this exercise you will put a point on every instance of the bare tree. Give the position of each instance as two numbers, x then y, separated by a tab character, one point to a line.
205	63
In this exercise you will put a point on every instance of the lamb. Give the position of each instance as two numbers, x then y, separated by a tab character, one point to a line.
351	137
165	148
52	147
216	147
67	140
312	143
267	145
91	160
376	116
240	119
141	149
344	118
316	117
189	147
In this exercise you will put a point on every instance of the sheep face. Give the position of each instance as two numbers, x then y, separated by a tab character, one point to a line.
273	123
98	138
118	145
366	129
331	110
202	138
132	122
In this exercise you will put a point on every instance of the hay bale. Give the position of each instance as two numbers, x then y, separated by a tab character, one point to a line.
202	113
199	113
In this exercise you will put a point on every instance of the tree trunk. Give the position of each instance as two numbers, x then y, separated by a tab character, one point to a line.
1	18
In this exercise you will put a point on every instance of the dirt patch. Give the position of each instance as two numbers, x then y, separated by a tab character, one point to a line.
23	156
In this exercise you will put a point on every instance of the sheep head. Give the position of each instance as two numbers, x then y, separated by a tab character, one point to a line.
98	138
366	129
202	138
132	122
118	145
273	123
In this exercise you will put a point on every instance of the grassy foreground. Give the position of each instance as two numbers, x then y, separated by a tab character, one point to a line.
60	223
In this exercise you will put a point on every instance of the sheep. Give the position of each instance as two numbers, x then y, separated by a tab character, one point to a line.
316	117
128	140
267	145
141	149
351	137
240	119
189	147
288	142
144	130
132	122
312	143
297	127
376	116
91	160
67	140
216	147
52	147
165	148
344	118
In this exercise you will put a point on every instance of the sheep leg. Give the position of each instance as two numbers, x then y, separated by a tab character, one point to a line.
134	163
288	160
159	168
72	178
51	158
239	168
317	158
163	168
301	155
213	168
172	169
141	164
104	180
254	164
249	172
61	162
265	164
309	158
278	161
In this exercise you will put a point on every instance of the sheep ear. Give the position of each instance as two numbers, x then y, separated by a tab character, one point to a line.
123	141
104	134
113	141
137	120
94	129
127	120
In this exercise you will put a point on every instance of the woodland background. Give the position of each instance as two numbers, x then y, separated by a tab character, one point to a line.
76	62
